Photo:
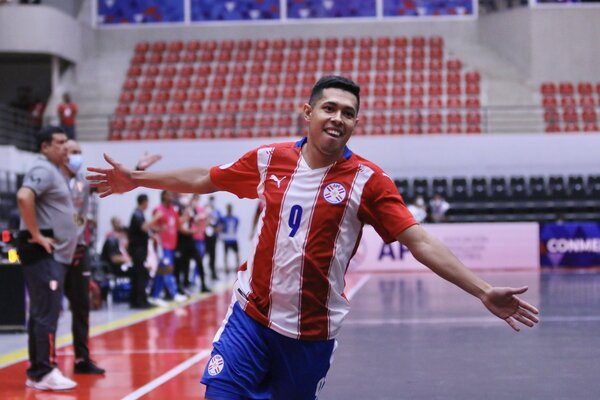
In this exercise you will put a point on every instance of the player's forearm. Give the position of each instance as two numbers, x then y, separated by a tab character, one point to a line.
190	180
436	256
26	204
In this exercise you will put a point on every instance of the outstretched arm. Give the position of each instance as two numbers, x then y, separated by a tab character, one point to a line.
500	301
119	179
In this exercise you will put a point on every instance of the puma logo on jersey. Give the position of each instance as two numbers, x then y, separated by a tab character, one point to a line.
277	180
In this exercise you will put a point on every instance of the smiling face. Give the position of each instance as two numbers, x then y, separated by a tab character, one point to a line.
331	119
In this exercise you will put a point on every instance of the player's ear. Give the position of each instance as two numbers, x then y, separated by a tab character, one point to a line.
307	110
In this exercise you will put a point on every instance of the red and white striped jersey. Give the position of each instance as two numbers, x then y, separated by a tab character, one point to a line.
309	229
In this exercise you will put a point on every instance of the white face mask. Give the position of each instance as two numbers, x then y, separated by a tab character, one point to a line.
75	162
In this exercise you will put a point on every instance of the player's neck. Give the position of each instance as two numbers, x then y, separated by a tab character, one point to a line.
316	159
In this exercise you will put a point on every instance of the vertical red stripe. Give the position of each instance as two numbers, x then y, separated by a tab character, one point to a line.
52	355
283	162
318	253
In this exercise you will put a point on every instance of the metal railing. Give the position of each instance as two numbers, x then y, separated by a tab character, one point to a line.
493	119
16	128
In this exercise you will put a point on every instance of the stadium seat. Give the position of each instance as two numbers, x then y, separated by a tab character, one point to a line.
548	88
566	89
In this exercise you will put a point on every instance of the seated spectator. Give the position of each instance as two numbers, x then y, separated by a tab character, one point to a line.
418	209
114	250
438	206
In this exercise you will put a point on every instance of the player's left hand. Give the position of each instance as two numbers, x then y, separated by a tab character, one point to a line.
147	160
503	303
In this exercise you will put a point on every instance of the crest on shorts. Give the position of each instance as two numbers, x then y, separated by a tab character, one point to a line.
215	365
334	193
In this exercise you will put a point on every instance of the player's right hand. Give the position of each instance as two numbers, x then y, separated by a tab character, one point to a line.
111	180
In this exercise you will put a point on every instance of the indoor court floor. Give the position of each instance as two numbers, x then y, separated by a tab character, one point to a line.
408	336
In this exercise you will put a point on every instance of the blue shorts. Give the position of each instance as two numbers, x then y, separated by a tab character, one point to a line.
250	361
168	258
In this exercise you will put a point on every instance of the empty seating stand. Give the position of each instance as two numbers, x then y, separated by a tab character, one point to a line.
409	85
570	107
515	198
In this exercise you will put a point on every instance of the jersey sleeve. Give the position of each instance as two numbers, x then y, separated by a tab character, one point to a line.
240	178
38	179
383	208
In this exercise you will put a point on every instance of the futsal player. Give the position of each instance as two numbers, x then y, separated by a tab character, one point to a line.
288	302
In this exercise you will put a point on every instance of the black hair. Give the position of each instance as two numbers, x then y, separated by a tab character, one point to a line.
336	82
142	198
163	195
45	135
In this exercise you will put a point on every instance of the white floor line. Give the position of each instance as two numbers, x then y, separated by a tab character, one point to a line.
358	286
167	376
129	352
464	320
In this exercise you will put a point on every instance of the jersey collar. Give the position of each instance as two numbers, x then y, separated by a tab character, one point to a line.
347	151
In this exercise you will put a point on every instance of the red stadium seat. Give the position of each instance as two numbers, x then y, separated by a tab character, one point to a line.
453	90
197	95
140	109
189	57
366	41
148	84
155	58
549	101
193	45
210	121
158	108
151	134
177	108
133	135
115	135
213	107
400	41
435	90
590	127
472	77
472	102
589	115
313	43
136	124
262	44
155	123
331	42
248	121
418	41
142	47
473	117
436	41
472	90
279	44
435	65
235	93
548	88
138	59
191	122
144	96
568	101
195	107
417	78
228	121
566	89
180	95
417	53
454	65
123	109
454	118
172	58
227	45
572	127
231	107
587	101
245	44
434	103
165	84
134	71
453	102
210	45
383	41
188	134
250	106
297	43
169	71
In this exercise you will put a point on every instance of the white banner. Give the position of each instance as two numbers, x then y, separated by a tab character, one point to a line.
499	246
